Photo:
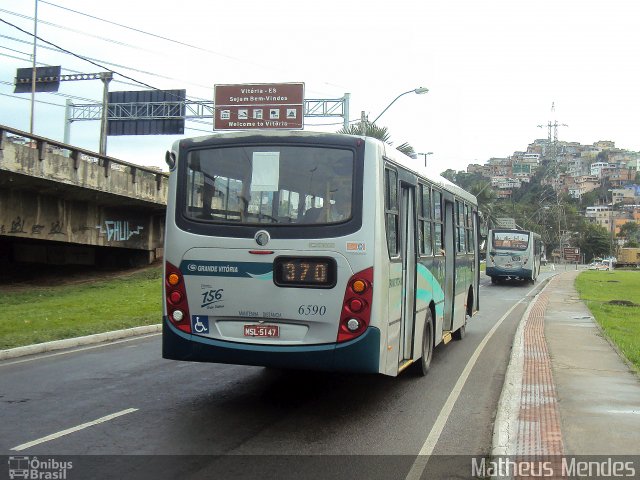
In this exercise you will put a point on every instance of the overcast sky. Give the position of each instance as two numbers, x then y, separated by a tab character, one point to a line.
493	68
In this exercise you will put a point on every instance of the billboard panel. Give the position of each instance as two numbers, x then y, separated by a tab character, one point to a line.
47	79
146	112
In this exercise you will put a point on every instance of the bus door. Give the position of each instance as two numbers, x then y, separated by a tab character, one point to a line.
450	263
408	253
476	260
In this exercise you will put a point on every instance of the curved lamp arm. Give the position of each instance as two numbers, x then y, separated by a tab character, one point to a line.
418	91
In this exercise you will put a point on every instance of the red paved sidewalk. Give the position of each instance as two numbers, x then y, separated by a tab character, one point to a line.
567	391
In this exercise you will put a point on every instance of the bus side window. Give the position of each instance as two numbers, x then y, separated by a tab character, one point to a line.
460	227
469	226
424	221
391	210
437	223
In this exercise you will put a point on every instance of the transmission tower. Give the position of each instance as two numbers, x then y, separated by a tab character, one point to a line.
552	144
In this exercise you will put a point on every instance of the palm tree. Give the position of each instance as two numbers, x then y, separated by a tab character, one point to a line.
381	133
486	197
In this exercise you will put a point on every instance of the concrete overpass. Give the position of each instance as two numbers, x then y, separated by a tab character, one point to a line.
60	204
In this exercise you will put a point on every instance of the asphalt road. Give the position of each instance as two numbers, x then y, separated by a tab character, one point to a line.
121	411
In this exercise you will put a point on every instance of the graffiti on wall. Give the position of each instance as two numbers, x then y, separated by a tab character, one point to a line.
56	228
118	230
114	230
18	224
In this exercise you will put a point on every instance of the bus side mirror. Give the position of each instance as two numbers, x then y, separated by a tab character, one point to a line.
170	159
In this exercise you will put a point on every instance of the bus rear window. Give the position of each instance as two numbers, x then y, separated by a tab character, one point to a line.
269	184
510	240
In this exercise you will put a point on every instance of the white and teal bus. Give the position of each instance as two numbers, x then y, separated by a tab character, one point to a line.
513	254
318	251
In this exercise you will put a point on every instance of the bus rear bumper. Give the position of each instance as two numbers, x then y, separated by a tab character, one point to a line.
359	355
503	273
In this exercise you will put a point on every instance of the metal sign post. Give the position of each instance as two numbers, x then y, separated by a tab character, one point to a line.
106	78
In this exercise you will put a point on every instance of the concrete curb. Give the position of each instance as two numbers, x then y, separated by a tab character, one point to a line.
505	427
78	341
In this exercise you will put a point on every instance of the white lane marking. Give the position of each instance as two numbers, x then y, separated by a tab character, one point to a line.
53	436
427	449
80	349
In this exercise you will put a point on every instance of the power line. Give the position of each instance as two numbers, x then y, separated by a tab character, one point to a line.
177	42
28	100
62	27
73	53
61	50
60	94
83	58
147	33
13	50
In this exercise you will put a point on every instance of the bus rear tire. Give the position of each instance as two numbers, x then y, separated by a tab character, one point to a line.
427	345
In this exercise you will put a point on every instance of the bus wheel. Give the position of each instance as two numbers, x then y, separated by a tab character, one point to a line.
427	345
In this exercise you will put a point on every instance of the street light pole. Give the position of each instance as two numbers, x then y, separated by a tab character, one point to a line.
417	91
425	156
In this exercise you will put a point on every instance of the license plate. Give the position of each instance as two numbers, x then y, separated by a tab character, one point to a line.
270	331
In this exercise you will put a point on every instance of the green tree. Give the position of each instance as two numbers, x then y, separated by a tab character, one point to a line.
486	202
480	187
630	232
450	175
594	241
381	133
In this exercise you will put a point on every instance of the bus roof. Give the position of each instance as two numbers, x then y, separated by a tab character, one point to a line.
411	164
414	165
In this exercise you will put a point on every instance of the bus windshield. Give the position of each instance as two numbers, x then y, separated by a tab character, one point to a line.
510	240
274	184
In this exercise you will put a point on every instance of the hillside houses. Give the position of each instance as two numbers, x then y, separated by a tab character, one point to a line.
579	168
574	169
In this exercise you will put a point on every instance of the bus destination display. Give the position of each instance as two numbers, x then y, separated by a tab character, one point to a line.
305	272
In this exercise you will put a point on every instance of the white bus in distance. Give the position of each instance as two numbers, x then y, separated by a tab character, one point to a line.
513	254
304	250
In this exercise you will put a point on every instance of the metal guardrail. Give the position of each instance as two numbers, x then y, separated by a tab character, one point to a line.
76	154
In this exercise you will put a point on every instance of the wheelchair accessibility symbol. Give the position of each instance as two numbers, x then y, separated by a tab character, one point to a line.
200	323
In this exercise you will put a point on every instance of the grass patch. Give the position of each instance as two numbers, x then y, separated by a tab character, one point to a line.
614	300
41	314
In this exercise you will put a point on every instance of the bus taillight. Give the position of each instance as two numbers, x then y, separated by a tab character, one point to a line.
356	307
176	298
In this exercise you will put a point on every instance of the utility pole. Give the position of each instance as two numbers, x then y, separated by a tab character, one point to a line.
345	111
33	74
363	122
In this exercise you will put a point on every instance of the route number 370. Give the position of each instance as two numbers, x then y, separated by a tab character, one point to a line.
312	309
